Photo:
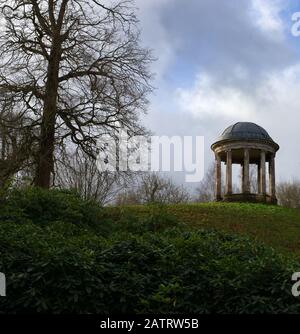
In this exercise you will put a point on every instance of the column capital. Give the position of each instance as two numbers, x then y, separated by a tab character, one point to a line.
263	153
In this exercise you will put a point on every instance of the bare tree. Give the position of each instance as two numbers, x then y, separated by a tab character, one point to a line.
127	197
288	194
154	188
75	68
17	145
206	190
78	171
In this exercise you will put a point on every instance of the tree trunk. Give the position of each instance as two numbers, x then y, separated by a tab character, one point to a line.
47	137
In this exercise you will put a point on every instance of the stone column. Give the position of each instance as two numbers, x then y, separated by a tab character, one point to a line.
218	178
246	165
262	189
272	176
258	178
229	173
242	177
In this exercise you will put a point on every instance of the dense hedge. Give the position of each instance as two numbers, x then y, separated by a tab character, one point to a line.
43	207
57	261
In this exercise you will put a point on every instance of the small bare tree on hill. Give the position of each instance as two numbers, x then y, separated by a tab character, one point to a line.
288	194
78	171
153	188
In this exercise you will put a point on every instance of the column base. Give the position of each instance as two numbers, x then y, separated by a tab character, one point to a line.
219	199
250	198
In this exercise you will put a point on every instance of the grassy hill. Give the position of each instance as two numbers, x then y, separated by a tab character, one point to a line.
61	254
274	225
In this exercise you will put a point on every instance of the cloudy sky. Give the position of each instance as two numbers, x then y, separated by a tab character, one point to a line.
224	61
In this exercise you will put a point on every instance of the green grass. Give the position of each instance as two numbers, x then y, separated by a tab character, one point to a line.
274	225
61	254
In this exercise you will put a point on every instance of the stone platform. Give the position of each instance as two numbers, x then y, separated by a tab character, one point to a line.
250	198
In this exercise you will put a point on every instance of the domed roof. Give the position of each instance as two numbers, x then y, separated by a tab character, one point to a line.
245	131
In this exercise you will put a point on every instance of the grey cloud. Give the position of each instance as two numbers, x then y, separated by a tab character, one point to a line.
218	35
219	38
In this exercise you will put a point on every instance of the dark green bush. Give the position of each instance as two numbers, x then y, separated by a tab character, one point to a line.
170	272
57	260
42	207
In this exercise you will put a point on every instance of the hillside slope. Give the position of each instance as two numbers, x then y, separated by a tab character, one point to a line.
61	254
274	225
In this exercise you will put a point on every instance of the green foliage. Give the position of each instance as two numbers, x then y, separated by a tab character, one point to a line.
276	226
168	272
41	207
157	219
64	255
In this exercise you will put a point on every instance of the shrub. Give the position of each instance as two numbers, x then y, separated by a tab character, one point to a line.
41	207
167	272
64	255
